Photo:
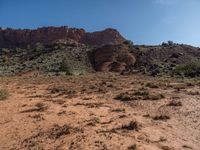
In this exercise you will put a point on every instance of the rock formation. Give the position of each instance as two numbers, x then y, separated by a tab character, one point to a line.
113	58
21	38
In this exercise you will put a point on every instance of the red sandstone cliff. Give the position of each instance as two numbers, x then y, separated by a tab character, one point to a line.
46	35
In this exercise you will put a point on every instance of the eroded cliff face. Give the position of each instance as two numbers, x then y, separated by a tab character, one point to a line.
20	38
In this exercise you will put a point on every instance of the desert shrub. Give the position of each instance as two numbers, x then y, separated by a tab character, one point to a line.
71	66
125	97
19	50
139	95
28	46
154	97
191	69
128	42
59	46
161	117
193	93
5	59
133	125
152	85
174	103
3	94
5	50
132	147
66	67
39	47
170	43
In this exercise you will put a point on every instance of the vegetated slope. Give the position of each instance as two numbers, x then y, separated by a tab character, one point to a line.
49	49
47	59
164	58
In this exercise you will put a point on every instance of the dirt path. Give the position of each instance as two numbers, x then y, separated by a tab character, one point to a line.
86	112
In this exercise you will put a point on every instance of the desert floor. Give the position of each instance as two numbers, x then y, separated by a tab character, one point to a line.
99	111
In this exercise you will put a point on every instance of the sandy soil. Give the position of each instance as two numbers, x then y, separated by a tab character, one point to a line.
82	112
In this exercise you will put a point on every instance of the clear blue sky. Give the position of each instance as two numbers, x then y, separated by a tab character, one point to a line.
142	21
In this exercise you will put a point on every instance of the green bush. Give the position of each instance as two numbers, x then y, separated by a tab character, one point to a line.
71	66
66	67
3	94
128	42
5	50
39	47
191	69
19	50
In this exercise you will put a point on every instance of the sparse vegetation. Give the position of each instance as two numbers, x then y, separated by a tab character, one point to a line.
86	102
125	97
139	95
58	131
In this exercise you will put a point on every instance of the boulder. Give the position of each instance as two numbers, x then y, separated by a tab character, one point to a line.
115	58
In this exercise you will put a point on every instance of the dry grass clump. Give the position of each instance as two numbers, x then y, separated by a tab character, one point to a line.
126	96
152	85
58	131
193	93
132	147
175	103
161	117
133	125
146	95
139	95
179	86
3	94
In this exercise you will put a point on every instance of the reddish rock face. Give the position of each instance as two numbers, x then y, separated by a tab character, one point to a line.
113	58
108	36
47	35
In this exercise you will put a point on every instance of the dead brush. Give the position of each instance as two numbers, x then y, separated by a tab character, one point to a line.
57	131
93	121
126	96
174	103
39	107
132	147
60	91
193	93
161	117
146	95
152	85
139	95
179	87
133	125
154	96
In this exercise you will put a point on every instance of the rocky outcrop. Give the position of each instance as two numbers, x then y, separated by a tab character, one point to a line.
20	38
108	36
113	58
